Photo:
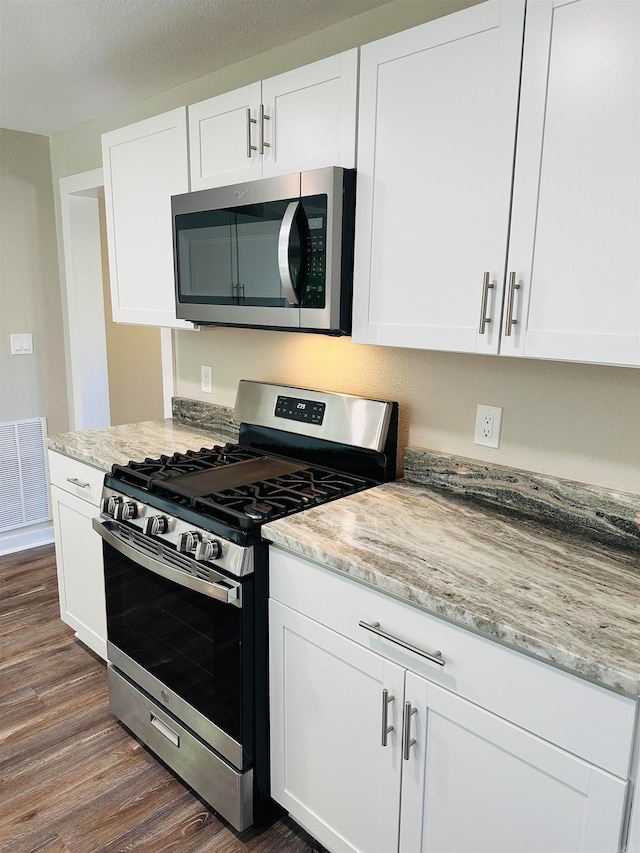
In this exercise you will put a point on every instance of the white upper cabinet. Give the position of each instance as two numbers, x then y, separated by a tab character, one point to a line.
302	119
223	136
144	165
575	236
438	109
437	127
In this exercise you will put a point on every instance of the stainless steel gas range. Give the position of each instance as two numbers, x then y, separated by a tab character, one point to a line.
186	578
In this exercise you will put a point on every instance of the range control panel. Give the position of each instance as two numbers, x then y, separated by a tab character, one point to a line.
297	409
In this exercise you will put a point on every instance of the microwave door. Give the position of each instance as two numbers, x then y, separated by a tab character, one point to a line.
263	300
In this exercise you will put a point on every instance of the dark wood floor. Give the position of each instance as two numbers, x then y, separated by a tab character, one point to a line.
71	779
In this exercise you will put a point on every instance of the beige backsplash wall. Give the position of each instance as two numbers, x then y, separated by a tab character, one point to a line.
577	421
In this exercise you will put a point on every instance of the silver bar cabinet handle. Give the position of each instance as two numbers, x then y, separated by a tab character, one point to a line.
374	627
386	728
78	483
407	740
486	287
263	117
250	121
513	286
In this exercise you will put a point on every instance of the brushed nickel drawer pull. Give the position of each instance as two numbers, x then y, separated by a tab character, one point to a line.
486	287
78	483
386	728
407	740
374	627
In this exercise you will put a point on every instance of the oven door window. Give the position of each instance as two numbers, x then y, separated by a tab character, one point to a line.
188	641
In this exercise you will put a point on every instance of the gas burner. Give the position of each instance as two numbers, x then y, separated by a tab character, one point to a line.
275	497
257	511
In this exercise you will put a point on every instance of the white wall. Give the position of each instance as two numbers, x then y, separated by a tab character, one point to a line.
30	296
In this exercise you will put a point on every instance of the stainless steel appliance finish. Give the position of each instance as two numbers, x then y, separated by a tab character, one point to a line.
185	543
199	766
186	578
172	703
274	253
349	419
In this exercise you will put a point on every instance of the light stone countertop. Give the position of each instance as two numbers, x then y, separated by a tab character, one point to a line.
553	595
557	596
103	448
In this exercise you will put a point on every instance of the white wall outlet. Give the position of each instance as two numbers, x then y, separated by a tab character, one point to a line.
488	423
206	378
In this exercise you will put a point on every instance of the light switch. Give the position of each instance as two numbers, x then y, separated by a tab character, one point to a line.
22	344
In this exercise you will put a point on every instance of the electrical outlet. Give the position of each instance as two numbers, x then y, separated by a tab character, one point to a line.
488	423
206	378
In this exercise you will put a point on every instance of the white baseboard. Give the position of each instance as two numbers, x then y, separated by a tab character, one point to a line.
27	537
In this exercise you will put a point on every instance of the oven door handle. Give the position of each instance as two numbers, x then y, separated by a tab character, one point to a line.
225	590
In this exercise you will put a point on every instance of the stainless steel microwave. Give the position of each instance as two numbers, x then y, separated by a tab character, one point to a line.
275	253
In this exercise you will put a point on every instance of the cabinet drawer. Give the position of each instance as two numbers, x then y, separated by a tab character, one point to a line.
75	477
581	717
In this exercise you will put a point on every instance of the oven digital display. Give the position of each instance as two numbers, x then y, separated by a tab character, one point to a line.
296	409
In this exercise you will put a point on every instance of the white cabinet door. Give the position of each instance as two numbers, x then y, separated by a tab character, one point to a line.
575	239
80	569
312	116
224	137
475	783
302	119
328	766
144	165
436	135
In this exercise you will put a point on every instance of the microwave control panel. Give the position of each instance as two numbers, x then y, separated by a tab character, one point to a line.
313	286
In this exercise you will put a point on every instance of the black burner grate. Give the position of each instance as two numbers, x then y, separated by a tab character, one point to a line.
164	467
232	484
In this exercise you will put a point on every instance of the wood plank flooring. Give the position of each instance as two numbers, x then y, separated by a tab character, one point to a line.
72	780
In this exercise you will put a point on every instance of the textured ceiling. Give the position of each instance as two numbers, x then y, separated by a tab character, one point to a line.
64	62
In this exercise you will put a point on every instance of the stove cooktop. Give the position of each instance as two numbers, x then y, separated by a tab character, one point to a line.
234	485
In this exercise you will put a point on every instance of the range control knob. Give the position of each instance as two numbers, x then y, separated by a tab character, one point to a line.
155	524
187	541
126	510
208	549
108	505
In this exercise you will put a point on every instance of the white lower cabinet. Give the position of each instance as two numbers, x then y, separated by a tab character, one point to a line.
75	496
370	756
328	768
475	783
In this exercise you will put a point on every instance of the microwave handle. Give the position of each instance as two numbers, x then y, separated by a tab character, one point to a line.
283	253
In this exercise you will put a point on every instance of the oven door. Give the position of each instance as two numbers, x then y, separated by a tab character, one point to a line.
184	641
